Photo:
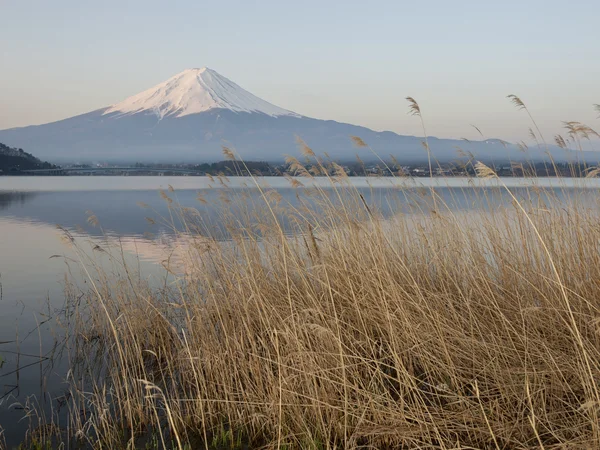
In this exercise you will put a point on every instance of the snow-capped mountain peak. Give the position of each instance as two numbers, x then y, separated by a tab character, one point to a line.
194	91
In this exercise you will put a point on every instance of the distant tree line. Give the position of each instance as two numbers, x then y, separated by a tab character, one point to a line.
236	168
229	168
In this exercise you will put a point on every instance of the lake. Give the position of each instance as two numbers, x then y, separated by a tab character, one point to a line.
129	213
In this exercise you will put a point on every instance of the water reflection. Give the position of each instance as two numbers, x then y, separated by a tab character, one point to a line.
34	260
20	198
31	295
119	213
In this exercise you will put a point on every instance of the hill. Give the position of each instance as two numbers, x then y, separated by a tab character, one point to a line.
14	160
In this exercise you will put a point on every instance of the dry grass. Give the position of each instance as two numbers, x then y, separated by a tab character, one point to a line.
431	329
428	330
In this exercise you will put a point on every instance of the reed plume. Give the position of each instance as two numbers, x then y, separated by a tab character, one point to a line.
515	100
358	142
413	107
228	153
304	148
560	141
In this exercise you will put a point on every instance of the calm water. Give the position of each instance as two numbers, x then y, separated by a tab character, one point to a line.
34	258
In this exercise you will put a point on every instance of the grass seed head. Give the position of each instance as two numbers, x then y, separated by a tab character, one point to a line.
358	142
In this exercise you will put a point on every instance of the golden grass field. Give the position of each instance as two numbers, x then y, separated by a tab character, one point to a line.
430	329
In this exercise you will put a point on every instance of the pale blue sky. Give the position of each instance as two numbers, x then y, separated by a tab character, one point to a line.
352	61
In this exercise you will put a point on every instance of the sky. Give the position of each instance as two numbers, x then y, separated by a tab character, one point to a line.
350	61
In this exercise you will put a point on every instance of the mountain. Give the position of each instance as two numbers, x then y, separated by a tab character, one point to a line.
191	115
195	91
13	160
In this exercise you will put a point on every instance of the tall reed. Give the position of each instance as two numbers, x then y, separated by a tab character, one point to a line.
326	323
434	328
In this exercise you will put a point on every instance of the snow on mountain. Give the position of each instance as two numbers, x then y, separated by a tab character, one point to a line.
195	91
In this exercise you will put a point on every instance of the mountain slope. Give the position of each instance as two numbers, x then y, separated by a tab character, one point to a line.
191	115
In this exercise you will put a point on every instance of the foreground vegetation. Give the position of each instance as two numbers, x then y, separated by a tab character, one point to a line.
328	325
422	331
